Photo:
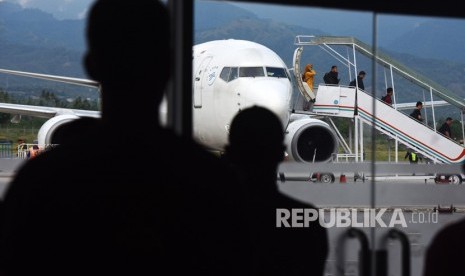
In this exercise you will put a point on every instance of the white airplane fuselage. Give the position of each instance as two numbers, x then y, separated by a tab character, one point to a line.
230	75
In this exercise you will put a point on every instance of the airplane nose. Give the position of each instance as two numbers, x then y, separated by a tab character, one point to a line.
272	94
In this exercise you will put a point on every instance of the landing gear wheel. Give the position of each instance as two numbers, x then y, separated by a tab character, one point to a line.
359	175
455	179
327	178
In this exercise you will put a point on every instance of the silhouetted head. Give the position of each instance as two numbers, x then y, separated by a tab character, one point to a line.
419	105
389	90
76	131
362	74
334	68
256	138
128	47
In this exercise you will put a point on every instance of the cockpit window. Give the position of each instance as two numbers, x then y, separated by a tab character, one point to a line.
234	74
275	72
231	73
228	74
251	72
225	73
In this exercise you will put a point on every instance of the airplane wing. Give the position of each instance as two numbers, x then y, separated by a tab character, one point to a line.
44	112
77	81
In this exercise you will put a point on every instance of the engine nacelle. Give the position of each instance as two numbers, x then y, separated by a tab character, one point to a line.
44	137
309	140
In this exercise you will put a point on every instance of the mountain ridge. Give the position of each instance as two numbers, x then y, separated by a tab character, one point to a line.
51	46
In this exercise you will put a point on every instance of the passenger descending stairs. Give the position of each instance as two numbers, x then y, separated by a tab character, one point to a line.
327	43
340	101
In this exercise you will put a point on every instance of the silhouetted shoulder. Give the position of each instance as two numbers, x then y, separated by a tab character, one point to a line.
286	250
446	253
77	131
171	202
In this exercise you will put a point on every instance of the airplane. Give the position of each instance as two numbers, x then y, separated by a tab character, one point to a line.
228	76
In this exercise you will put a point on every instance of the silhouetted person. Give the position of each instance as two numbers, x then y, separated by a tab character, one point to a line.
33	152
416	113
359	80
76	131
445	128
388	97
445	253
255	149
332	77
101	204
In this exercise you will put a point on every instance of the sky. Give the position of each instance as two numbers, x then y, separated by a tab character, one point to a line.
332	21
68	9
354	23
358	24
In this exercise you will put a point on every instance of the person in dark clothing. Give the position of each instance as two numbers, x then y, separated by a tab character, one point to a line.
331	77
416	113
445	253
413	157
84	208
388	97
255	149
74	131
359	80
445	128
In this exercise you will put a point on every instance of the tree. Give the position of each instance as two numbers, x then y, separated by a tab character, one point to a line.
4	98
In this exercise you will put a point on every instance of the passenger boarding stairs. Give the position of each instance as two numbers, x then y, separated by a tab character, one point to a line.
340	101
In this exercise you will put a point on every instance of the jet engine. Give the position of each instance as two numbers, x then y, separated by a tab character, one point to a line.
44	137
310	140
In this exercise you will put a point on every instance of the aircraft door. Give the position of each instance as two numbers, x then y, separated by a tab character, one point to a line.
201	75
302	86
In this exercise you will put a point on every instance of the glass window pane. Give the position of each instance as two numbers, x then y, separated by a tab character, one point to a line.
251	72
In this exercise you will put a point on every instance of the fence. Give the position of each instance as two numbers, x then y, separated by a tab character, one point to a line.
6	150
24	150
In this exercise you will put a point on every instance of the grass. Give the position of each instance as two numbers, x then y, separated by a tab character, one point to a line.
29	134
13	134
384	150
